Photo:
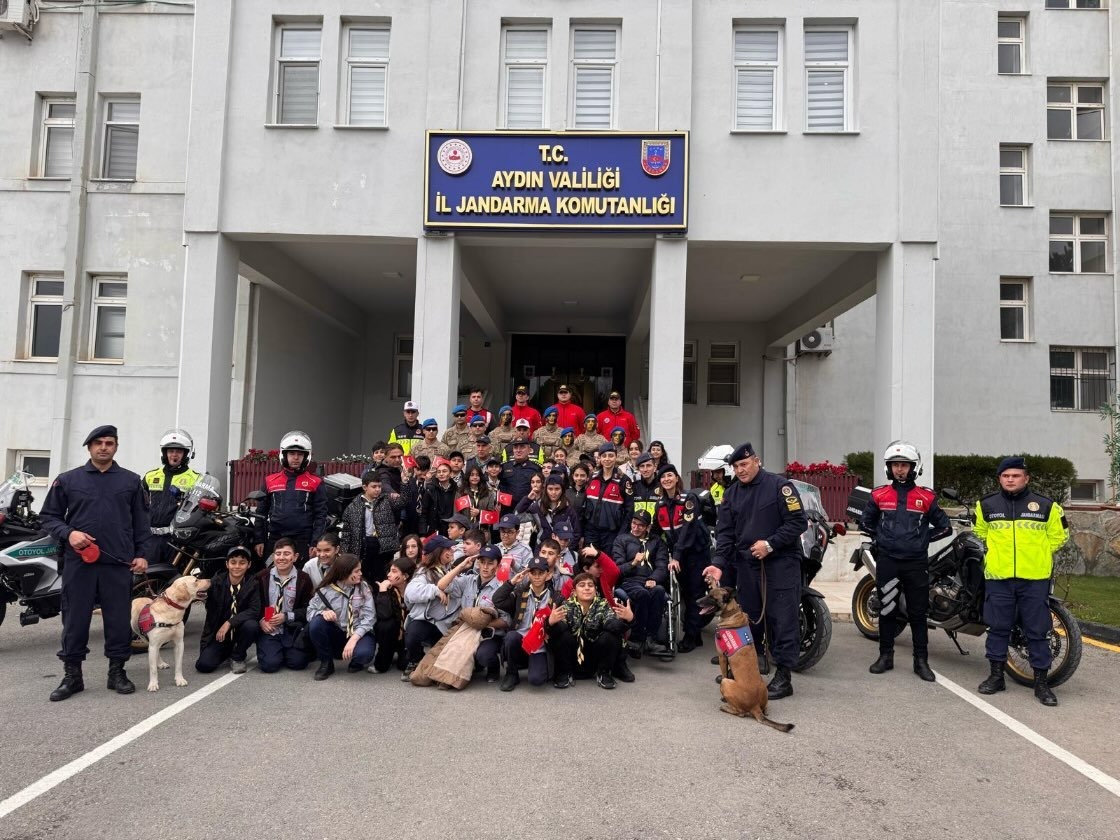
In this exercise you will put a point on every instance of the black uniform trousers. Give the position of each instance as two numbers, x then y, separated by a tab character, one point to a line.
648	604
486	656
281	650
1023	602
516	659
600	654
235	647
782	579
909	578
84	586
419	634
390	645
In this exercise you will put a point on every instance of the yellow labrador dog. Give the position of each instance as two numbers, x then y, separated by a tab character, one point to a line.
161	621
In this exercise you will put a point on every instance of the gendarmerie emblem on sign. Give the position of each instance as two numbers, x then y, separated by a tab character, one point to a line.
655	157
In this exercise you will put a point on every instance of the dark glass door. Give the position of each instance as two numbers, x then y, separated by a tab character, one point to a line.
590	365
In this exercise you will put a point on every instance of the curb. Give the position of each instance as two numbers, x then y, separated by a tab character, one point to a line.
1100	632
841	616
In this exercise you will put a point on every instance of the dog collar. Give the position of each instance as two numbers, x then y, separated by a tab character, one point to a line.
167	600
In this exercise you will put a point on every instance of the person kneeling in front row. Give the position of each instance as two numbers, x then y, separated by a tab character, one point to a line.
340	617
585	634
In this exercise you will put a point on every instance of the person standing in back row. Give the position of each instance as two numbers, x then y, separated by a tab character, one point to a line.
903	519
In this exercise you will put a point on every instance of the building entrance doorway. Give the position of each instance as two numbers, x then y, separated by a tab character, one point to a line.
590	365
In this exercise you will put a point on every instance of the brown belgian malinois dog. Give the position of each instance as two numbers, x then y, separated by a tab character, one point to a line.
742	690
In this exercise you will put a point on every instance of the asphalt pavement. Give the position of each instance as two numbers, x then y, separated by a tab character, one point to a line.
368	756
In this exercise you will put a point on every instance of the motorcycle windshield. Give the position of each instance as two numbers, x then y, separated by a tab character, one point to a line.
15	482
810	497
207	487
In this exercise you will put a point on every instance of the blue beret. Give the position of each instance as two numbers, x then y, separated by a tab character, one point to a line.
1015	462
100	432
606	447
567	430
743	450
459	408
429	423
505	408
594	417
550	410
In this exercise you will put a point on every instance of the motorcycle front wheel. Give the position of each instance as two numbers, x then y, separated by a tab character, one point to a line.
865	609
1065	649
815	626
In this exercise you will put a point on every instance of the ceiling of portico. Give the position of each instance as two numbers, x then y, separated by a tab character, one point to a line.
527	282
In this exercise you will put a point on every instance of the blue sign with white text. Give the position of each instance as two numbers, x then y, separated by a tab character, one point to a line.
562	180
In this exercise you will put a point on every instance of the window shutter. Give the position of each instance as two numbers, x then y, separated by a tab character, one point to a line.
526	45
826	100
826	47
122	142
754	99
300	43
369	44
59	160
299	94
525	97
594	45
756	46
593	97
110	333
367	95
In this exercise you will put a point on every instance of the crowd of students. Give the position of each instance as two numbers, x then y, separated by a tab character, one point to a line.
557	557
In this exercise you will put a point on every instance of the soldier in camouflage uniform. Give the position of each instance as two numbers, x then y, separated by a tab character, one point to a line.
459	435
590	440
548	435
502	435
430	445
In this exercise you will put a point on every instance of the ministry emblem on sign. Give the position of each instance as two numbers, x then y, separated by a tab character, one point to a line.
454	156
655	157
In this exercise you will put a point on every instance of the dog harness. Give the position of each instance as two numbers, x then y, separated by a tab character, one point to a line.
731	639
145	621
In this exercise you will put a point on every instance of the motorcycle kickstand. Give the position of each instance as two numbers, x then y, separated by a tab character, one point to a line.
953	636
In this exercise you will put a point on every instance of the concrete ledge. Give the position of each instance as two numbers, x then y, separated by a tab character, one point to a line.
1100	632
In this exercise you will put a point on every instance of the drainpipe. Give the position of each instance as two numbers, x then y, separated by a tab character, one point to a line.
657	75
462	63
74	282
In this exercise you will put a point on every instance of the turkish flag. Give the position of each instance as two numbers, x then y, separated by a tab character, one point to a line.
462	503
488	517
505	499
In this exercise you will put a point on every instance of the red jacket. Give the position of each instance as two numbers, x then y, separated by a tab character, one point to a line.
527	413
608	420
569	415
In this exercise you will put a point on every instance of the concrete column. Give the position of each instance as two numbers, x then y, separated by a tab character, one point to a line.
904	349
435	333
666	344
206	365
774	431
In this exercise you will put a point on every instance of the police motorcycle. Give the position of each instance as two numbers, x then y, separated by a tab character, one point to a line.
29	557
956	597
201	533
814	618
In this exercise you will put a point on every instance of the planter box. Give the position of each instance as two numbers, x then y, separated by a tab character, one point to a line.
835	490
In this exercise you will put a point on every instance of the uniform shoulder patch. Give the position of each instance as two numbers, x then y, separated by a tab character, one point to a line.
690	504
787	490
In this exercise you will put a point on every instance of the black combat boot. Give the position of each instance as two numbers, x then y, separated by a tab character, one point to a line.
1042	688
325	669
622	670
118	680
994	682
922	669
71	683
763	663
780	686
884	663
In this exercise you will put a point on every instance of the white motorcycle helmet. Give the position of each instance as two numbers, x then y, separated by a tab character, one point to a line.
901	451
176	439
295	441
715	458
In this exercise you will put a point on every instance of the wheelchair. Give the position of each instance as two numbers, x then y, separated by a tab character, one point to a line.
672	621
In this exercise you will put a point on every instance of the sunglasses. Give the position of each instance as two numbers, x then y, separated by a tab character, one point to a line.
463	414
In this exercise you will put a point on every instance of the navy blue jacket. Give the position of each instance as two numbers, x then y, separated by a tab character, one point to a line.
516	478
904	519
295	505
768	508
111	506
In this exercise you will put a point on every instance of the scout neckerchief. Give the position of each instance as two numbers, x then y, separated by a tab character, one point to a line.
523	602
282	585
349	609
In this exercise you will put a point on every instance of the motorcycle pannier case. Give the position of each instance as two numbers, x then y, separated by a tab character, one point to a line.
341	489
857	501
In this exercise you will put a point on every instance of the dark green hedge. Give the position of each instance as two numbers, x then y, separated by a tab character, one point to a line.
974	476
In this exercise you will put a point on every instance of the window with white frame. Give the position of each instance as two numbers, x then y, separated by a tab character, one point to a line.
367	75
1078	243
44	316
594	77
121	139
723	373
37	463
1013	176
1014	308
107	318
56	138
828	78
402	367
1076	4
298	50
758	78
1086	490
1081	378
1012	44
524	76
1075	111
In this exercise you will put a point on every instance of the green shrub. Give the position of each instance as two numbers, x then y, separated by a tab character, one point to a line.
974	476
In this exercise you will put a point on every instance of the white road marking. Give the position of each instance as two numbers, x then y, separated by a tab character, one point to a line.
1065	756
52	780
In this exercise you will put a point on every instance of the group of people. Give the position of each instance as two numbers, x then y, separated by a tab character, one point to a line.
559	556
